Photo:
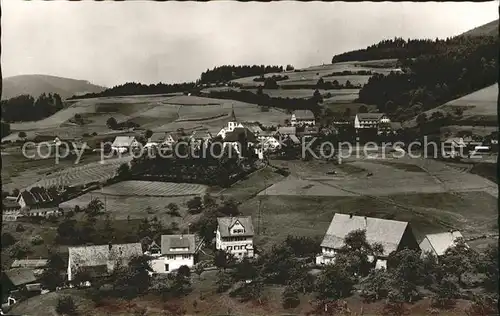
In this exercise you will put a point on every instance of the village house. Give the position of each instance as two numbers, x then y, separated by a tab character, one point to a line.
231	125
11	210
287	130
454	147
123	144
40	211
100	260
156	140
235	236
171	139
437	244
389	128
392	235
370	120
175	251
200	137
20	281
303	117
237	137
37	265
36	197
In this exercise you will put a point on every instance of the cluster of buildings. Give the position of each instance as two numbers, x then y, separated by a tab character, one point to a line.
234	235
391	234
36	201
231	135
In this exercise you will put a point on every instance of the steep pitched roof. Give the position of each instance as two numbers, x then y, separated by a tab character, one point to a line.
378	230
20	276
237	133
29	263
442	241
225	224
27	197
100	255
287	130
304	115
177	241
370	116
157	138
123	141
254	128
200	134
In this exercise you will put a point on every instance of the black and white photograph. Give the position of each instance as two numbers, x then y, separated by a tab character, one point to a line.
228	158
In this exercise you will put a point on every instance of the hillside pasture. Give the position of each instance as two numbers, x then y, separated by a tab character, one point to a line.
121	207
479	108
432	196
311	75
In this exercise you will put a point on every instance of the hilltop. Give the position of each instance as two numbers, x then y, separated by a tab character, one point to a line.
37	84
488	29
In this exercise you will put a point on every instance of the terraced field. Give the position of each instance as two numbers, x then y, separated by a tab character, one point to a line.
82	174
151	188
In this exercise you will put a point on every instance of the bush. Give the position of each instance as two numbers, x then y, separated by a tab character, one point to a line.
37	240
19	250
184	271
20	228
290	298
66	306
7	240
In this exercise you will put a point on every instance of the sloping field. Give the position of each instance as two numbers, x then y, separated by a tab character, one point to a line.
83	174
312	74
479	108
151	188
432	196
120	207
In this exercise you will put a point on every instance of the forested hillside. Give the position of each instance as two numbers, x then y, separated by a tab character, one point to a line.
434	72
134	88
26	108
451	69
226	73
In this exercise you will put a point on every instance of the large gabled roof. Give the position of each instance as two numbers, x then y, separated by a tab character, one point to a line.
304	115
99	255
20	276
225	224
370	116
168	242
378	230
442	241
123	141
238	133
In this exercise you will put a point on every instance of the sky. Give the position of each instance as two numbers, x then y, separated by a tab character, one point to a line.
110	43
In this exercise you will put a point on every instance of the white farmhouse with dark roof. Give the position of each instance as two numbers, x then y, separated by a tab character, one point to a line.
100	260
370	120
437	244
235	235
392	235
122	144
303	117
175	251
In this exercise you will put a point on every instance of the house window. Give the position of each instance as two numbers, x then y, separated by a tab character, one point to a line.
186	256
171	257
229	248
166	267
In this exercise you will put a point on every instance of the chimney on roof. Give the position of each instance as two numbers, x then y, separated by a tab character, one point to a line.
350	215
